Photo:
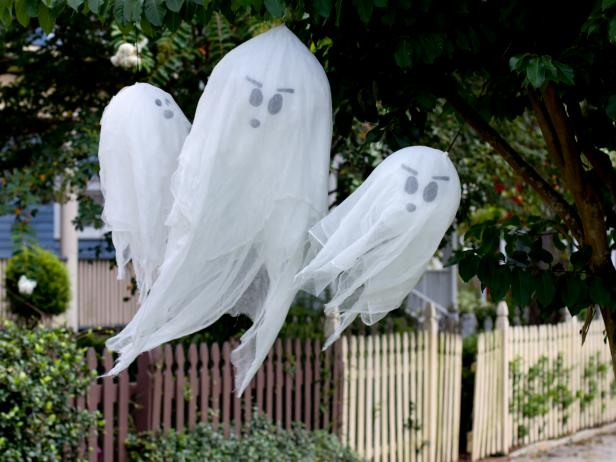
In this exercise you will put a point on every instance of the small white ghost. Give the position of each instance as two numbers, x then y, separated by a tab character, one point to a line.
374	247
252	180
142	133
26	286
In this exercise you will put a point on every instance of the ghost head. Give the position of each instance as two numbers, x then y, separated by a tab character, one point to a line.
252	180
375	246
142	132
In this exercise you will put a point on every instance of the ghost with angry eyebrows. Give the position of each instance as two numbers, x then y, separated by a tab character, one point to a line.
251	181
374	247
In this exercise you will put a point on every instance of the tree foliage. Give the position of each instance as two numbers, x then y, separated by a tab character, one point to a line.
399	68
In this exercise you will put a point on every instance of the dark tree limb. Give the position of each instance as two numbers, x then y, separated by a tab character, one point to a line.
560	206
547	129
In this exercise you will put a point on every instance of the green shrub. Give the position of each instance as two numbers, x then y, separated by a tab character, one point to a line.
40	371
52	292
263	441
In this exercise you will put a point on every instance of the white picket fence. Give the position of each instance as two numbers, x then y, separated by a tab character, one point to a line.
402	395
534	383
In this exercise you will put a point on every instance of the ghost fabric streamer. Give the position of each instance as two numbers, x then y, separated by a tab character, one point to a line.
251	181
142	133
374	247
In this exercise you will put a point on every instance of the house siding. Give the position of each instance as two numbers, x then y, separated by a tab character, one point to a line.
43	227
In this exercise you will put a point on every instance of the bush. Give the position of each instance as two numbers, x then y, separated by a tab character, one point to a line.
263	441
51	294
40	371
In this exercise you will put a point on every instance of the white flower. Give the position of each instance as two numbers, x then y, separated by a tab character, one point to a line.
26	286
127	55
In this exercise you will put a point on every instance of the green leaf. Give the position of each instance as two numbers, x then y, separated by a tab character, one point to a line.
545	287
490	239
46	19
600	292
132	10
21	12
6	16
172	21
610	108
468	267
380	3
274	7
155	12
364	9
607	4
611	30
564	73
580	258
74	4
535	72
403	54
174	5
572	289
500	283
521	287
323	7
95	5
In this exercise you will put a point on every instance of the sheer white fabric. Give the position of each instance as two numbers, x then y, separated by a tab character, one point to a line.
142	132
252	180
375	246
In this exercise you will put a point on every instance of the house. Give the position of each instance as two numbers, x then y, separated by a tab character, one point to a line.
99	299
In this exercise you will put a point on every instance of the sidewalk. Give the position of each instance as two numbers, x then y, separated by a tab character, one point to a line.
600	448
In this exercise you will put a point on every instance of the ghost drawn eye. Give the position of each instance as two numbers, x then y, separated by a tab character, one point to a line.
256	97
411	185
430	191
275	104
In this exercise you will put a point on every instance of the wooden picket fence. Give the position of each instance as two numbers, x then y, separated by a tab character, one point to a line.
534	383
177	388
402	395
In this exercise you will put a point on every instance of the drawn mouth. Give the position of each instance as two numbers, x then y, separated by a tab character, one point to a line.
254	123
411	207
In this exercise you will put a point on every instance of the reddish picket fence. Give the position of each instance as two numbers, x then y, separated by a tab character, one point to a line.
176	388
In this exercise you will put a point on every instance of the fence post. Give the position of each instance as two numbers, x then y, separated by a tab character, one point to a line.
431	373
143	393
502	326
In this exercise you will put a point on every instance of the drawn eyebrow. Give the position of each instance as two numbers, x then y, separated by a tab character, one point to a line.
409	169
286	90
254	82
443	178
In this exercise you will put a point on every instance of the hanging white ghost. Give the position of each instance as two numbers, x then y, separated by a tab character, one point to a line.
142	132
374	247
252	180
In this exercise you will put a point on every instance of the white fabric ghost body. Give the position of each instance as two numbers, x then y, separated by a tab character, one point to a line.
142	133
375	246
252	180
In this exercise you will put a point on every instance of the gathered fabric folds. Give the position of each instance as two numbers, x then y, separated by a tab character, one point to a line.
375	246
142	133
251	181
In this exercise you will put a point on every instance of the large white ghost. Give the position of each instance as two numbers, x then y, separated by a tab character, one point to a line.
374	247
252	180
142	133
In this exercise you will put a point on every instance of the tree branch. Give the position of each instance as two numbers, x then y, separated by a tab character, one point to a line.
547	129
600	161
517	162
586	197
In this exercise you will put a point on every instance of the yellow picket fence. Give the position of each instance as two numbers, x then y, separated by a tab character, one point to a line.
402	395
534	383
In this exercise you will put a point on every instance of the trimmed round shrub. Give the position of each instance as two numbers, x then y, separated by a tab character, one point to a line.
52	293
262	441
41	371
